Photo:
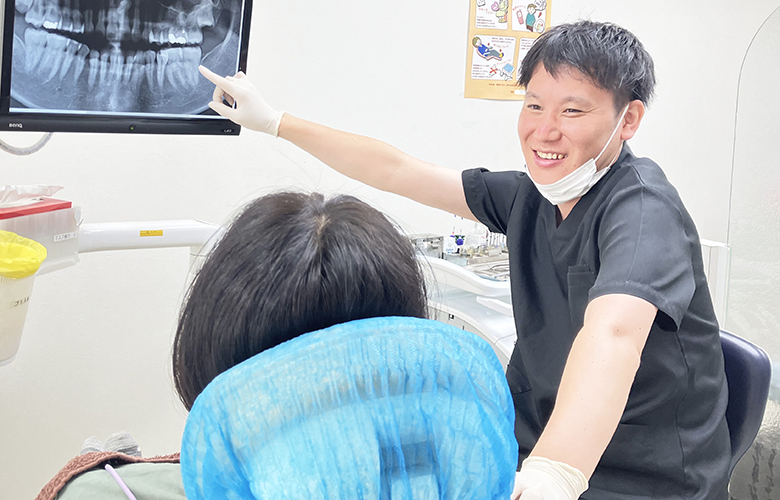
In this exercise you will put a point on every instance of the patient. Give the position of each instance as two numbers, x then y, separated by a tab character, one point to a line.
310	371
291	263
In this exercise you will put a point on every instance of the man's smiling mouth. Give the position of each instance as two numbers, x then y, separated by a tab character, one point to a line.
550	156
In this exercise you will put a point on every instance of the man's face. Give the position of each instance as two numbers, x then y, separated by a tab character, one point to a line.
565	122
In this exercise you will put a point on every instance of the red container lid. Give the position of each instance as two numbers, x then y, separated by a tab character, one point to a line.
45	205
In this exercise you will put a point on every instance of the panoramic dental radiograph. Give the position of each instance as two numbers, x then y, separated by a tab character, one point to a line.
122	56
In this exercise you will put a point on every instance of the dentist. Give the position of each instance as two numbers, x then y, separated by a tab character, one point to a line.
617	375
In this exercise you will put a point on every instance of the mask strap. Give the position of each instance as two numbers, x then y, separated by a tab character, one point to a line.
622	115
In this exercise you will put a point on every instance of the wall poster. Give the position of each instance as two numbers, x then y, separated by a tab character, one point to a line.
500	34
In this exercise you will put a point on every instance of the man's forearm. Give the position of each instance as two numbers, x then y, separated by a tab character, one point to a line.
361	158
378	165
590	402
595	385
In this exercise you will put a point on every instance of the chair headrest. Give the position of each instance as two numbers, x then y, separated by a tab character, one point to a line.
384	408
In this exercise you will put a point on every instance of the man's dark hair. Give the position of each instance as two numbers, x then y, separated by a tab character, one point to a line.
289	264
609	56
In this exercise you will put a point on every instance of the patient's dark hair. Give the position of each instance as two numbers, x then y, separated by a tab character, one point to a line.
291	263
609	56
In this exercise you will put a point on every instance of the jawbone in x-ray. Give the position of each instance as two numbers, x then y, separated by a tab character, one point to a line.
122	56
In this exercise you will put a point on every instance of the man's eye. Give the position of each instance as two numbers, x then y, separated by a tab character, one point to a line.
535	107
571	111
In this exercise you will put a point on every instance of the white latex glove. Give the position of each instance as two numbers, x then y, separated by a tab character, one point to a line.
543	479
251	110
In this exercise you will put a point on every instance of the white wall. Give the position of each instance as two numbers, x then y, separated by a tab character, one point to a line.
94	356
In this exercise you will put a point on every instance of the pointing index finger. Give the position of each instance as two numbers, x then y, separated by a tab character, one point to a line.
215	78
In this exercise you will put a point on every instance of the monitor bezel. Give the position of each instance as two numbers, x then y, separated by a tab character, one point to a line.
210	124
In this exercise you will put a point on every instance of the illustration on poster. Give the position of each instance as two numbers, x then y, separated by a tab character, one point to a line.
532	16
486	51
501	8
506	71
494	58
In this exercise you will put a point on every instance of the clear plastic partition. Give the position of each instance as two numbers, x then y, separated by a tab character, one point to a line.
753	309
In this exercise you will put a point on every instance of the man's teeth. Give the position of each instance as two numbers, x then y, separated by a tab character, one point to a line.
55	56
550	156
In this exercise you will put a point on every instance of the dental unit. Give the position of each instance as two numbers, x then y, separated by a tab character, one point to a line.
457	296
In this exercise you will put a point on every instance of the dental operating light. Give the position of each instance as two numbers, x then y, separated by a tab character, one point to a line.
118	66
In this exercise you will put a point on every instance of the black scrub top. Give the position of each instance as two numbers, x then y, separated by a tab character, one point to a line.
630	234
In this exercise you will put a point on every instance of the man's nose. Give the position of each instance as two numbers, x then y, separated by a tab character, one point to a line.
547	128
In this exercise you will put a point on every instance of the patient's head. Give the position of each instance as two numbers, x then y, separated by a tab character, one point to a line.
289	264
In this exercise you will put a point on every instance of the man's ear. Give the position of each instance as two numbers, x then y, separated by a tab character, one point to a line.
634	115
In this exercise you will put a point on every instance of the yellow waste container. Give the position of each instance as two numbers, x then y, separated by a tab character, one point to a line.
20	259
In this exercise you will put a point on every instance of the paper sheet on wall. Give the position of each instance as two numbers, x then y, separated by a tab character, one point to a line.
500	34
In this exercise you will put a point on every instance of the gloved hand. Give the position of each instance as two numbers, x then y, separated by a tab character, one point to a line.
251	110
543	479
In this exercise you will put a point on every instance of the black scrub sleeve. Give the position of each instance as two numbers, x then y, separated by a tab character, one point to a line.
645	250
491	195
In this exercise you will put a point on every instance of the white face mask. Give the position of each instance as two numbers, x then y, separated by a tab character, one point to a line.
579	181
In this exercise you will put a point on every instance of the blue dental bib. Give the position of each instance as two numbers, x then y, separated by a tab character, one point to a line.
382	408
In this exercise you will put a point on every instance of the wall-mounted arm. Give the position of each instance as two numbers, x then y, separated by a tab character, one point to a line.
103	236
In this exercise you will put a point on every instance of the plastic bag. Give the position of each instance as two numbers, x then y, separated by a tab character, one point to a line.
19	257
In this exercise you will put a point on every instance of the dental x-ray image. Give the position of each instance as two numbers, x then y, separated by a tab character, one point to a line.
122	56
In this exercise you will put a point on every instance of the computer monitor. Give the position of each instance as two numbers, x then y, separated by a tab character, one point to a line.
118	66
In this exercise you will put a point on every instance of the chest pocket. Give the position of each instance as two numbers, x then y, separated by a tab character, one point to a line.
580	280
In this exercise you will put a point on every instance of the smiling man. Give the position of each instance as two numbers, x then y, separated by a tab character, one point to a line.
618	370
617	375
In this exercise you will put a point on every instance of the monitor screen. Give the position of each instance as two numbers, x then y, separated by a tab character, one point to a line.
128	66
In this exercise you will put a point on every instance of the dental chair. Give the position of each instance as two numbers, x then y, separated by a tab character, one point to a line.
748	374
379	408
